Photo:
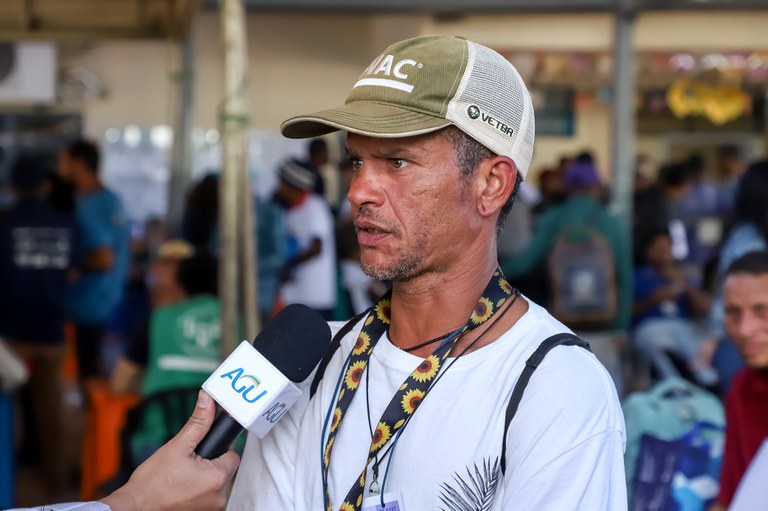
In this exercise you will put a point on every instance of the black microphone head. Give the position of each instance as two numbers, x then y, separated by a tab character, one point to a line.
294	341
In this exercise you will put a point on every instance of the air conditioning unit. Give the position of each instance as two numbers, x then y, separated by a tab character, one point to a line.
27	72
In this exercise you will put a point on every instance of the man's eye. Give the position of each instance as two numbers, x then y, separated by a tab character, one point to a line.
399	163
357	163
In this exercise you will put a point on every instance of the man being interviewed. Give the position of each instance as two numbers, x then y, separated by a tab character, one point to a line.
410	410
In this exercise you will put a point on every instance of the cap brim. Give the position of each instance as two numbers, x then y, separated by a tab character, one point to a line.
364	118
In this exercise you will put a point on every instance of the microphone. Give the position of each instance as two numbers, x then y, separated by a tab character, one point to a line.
255	384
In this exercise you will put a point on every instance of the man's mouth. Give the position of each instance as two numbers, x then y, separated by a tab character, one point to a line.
369	233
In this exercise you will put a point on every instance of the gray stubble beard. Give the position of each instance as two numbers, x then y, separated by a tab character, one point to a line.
403	268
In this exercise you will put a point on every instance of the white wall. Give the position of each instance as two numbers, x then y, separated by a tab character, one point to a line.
136	77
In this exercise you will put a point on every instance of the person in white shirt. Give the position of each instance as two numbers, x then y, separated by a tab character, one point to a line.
310	273
409	413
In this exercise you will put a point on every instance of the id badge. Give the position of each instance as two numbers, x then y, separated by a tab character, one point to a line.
392	502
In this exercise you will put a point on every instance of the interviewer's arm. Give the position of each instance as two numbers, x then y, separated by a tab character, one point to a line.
177	478
172	478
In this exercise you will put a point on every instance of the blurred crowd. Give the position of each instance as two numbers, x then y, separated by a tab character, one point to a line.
661	275
89	302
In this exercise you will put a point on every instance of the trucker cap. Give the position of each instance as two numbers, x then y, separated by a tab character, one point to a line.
426	83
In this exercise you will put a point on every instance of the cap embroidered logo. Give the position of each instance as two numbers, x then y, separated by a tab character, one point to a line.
385	64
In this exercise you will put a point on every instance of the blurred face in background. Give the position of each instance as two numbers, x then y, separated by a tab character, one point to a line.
162	275
164	287
72	170
745	298
65	165
658	253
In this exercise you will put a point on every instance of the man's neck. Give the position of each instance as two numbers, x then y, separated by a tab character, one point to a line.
434	304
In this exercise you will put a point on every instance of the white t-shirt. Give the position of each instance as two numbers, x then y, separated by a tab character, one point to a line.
564	446
314	281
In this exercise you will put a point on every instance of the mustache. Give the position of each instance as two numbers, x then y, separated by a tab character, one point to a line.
368	214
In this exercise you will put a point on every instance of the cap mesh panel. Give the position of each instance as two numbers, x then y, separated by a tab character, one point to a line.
505	121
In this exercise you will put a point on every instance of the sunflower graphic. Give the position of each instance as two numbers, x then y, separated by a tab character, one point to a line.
427	369
383	310
505	286
380	437
346	506
363	340
354	373
336	419
501	303
327	453
411	400
483	311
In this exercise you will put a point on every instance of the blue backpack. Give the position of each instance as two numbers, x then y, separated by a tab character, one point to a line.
675	435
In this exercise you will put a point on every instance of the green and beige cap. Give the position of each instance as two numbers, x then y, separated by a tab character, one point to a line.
423	84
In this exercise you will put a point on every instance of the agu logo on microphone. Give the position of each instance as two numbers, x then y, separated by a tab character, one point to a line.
245	384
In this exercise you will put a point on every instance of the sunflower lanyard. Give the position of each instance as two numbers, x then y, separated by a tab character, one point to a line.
410	394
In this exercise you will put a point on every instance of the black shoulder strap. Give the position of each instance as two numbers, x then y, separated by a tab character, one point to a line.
335	343
531	364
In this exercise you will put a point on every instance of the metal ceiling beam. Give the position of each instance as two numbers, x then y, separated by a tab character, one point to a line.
480	6
65	20
435	6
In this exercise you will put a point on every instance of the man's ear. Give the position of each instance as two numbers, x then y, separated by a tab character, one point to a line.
495	183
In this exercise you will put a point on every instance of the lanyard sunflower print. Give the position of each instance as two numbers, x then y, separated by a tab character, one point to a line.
408	397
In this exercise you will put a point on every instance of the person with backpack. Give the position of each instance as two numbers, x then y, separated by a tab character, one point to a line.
418	403
587	251
587	255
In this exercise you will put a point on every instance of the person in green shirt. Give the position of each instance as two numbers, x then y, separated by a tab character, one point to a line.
609	286
177	350
581	208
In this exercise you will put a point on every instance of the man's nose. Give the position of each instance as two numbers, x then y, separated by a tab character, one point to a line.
365	188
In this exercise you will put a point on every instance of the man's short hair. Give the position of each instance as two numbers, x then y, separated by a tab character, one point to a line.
86	152
753	263
469	154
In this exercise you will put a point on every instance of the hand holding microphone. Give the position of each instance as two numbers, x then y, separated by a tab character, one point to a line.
174	477
255	384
